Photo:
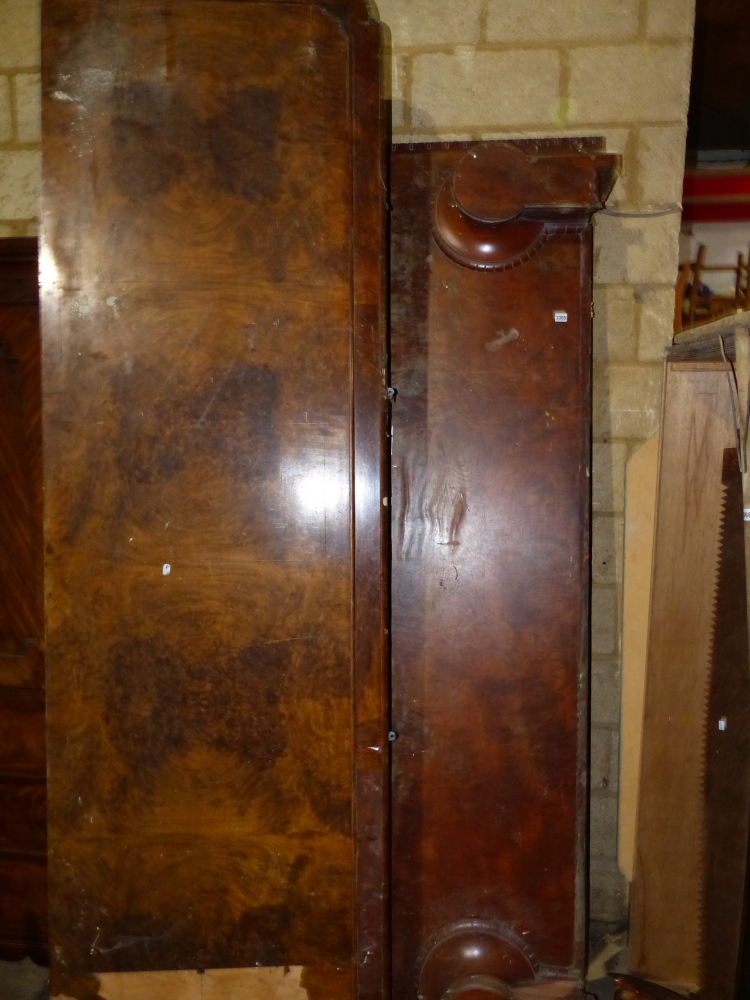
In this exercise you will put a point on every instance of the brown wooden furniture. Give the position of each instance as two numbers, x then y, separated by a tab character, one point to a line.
491	342
214	420
216	490
23	828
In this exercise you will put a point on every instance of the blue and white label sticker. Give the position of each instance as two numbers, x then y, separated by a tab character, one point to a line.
561	317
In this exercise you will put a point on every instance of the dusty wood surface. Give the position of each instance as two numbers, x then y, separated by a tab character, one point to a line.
711	330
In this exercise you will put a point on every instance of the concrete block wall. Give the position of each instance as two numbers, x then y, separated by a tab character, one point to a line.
472	69
20	125
497	69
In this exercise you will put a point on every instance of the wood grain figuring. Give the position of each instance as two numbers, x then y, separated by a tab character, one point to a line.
211	274
21	558
665	911
490	578
640	525
23	819
19	358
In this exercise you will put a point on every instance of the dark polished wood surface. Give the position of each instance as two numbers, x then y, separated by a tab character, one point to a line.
212	278
23	821
726	782
490	561
21	595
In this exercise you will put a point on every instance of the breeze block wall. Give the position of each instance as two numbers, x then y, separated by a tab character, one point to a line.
20	124
499	69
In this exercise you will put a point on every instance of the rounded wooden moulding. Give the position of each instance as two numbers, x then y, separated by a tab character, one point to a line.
474	960
478	219
478	988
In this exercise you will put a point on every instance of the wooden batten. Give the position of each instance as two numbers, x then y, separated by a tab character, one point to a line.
640	524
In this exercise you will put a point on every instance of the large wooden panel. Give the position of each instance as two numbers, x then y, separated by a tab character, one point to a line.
211	274
490	357
666	909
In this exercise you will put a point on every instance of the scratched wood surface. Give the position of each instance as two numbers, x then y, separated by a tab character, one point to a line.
211	268
490	560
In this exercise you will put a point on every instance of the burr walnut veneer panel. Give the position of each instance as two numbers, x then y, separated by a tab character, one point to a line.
213	416
491	321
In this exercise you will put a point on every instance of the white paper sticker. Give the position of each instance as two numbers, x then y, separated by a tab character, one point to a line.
561	317
166	569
